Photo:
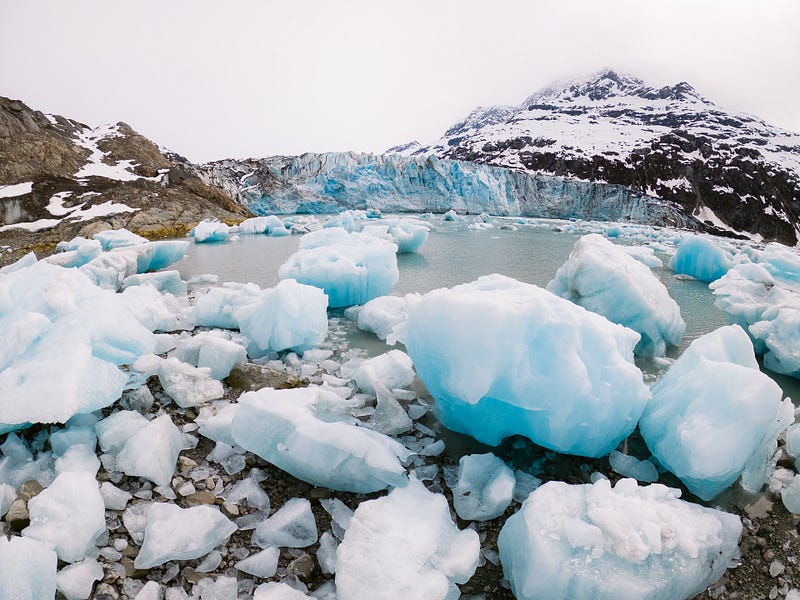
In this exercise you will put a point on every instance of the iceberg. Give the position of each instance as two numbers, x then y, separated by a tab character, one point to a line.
701	258
501	357
213	350
604	278
391	370
118	238
407	546
210	230
293	430
595	542
269	225
379	316
714	412
352	268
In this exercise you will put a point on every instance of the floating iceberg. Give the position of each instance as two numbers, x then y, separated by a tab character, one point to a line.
118	238
291	429
501	357
596	542
701	258
269	225
604	278
352	268
715	414
174	533
210	230
407	546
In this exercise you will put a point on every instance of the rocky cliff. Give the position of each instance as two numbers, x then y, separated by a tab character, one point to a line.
732	171
60	178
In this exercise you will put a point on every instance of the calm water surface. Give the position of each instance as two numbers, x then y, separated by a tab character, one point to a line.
453	255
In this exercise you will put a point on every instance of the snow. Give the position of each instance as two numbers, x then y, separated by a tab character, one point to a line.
292	430
621	542
407	546
17	189
352	268
701	258
485	487
174	533
69	515
501	357
714	415
292	526
96	165
27	569
603	278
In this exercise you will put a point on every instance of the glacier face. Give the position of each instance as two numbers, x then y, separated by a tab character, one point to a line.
331	182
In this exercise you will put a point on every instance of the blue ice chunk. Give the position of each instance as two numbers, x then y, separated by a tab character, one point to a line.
595	542
216	307
501	357
485	487
714	413
352	268
210	230
154	256
603	278
163	281
701	258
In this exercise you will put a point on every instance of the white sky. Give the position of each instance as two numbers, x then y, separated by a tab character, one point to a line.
244	78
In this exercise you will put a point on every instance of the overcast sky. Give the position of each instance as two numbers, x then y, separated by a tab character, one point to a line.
245	78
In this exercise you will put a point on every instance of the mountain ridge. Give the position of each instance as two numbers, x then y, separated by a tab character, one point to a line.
732	170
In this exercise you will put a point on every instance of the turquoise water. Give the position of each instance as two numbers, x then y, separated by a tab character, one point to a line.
454	255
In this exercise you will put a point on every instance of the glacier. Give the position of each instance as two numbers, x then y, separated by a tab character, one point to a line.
336	181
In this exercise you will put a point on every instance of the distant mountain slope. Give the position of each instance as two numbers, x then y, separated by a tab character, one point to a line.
60	178
732	171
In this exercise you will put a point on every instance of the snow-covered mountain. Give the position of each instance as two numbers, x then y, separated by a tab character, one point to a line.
60	179
730	170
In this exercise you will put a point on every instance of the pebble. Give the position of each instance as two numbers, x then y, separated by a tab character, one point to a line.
776	568
198	498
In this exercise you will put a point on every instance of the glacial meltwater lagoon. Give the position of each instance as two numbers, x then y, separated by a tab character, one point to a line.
531	252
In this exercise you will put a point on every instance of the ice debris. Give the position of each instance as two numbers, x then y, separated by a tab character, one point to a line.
714	414
76	581
407	546
27	569
174	533
379	316
293	526
485	487
596	542
187	385
69	515
304	432
603	278
501	357
152	451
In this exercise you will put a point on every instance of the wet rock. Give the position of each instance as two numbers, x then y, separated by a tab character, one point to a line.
17	516
250	377
201	497
301	567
